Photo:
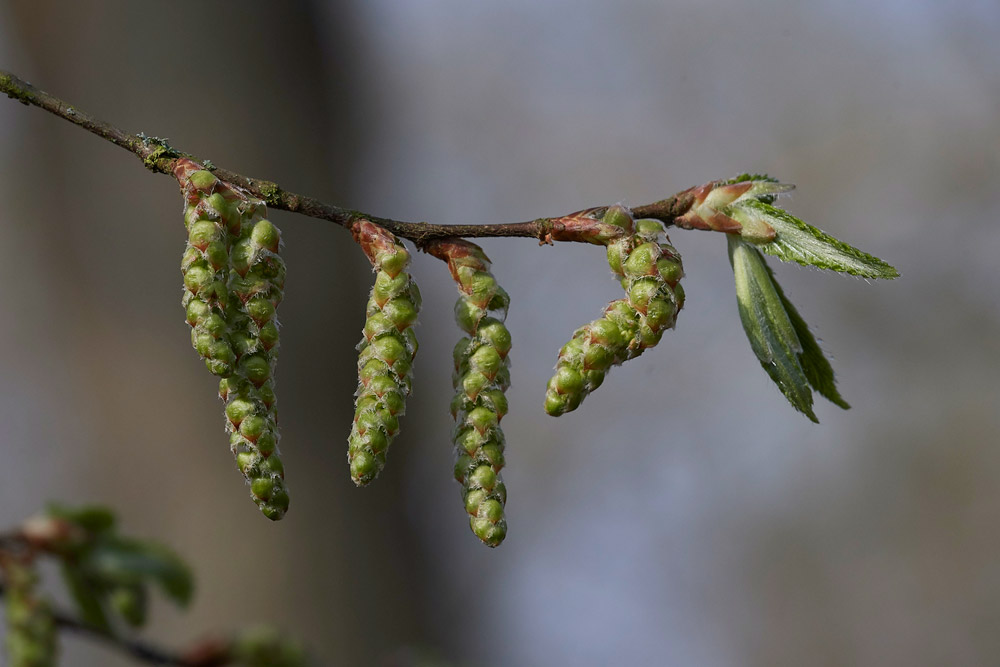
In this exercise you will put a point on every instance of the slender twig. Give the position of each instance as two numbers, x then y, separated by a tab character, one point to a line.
159	157
210	654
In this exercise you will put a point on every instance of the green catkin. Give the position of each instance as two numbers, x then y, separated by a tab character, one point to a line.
650	270
212	216
480	378
31	630
386	352
238	281
257	285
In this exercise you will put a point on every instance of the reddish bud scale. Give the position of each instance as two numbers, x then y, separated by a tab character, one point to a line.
481	376
386	352
233	281
586	226
711	206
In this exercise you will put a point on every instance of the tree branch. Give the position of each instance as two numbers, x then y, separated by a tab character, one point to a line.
209	653
159	157
206	653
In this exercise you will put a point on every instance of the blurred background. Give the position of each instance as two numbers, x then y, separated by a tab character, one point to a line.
686	515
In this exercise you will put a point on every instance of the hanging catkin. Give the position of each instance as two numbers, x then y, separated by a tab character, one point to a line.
650	270
386	352
234	280
480	378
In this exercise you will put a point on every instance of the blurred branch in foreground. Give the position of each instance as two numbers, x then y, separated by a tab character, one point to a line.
108	577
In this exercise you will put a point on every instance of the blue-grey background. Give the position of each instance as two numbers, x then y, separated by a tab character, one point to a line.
687	515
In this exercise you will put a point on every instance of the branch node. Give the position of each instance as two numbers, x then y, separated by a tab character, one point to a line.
545	229
161	151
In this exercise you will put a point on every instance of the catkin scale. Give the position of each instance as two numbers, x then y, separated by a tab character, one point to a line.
649	269
386	352
234	280
480	378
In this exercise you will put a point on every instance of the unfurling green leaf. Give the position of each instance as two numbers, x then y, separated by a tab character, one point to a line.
796	241
93	519
814	363
744	205
107	572
121	561
86	597
773	336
